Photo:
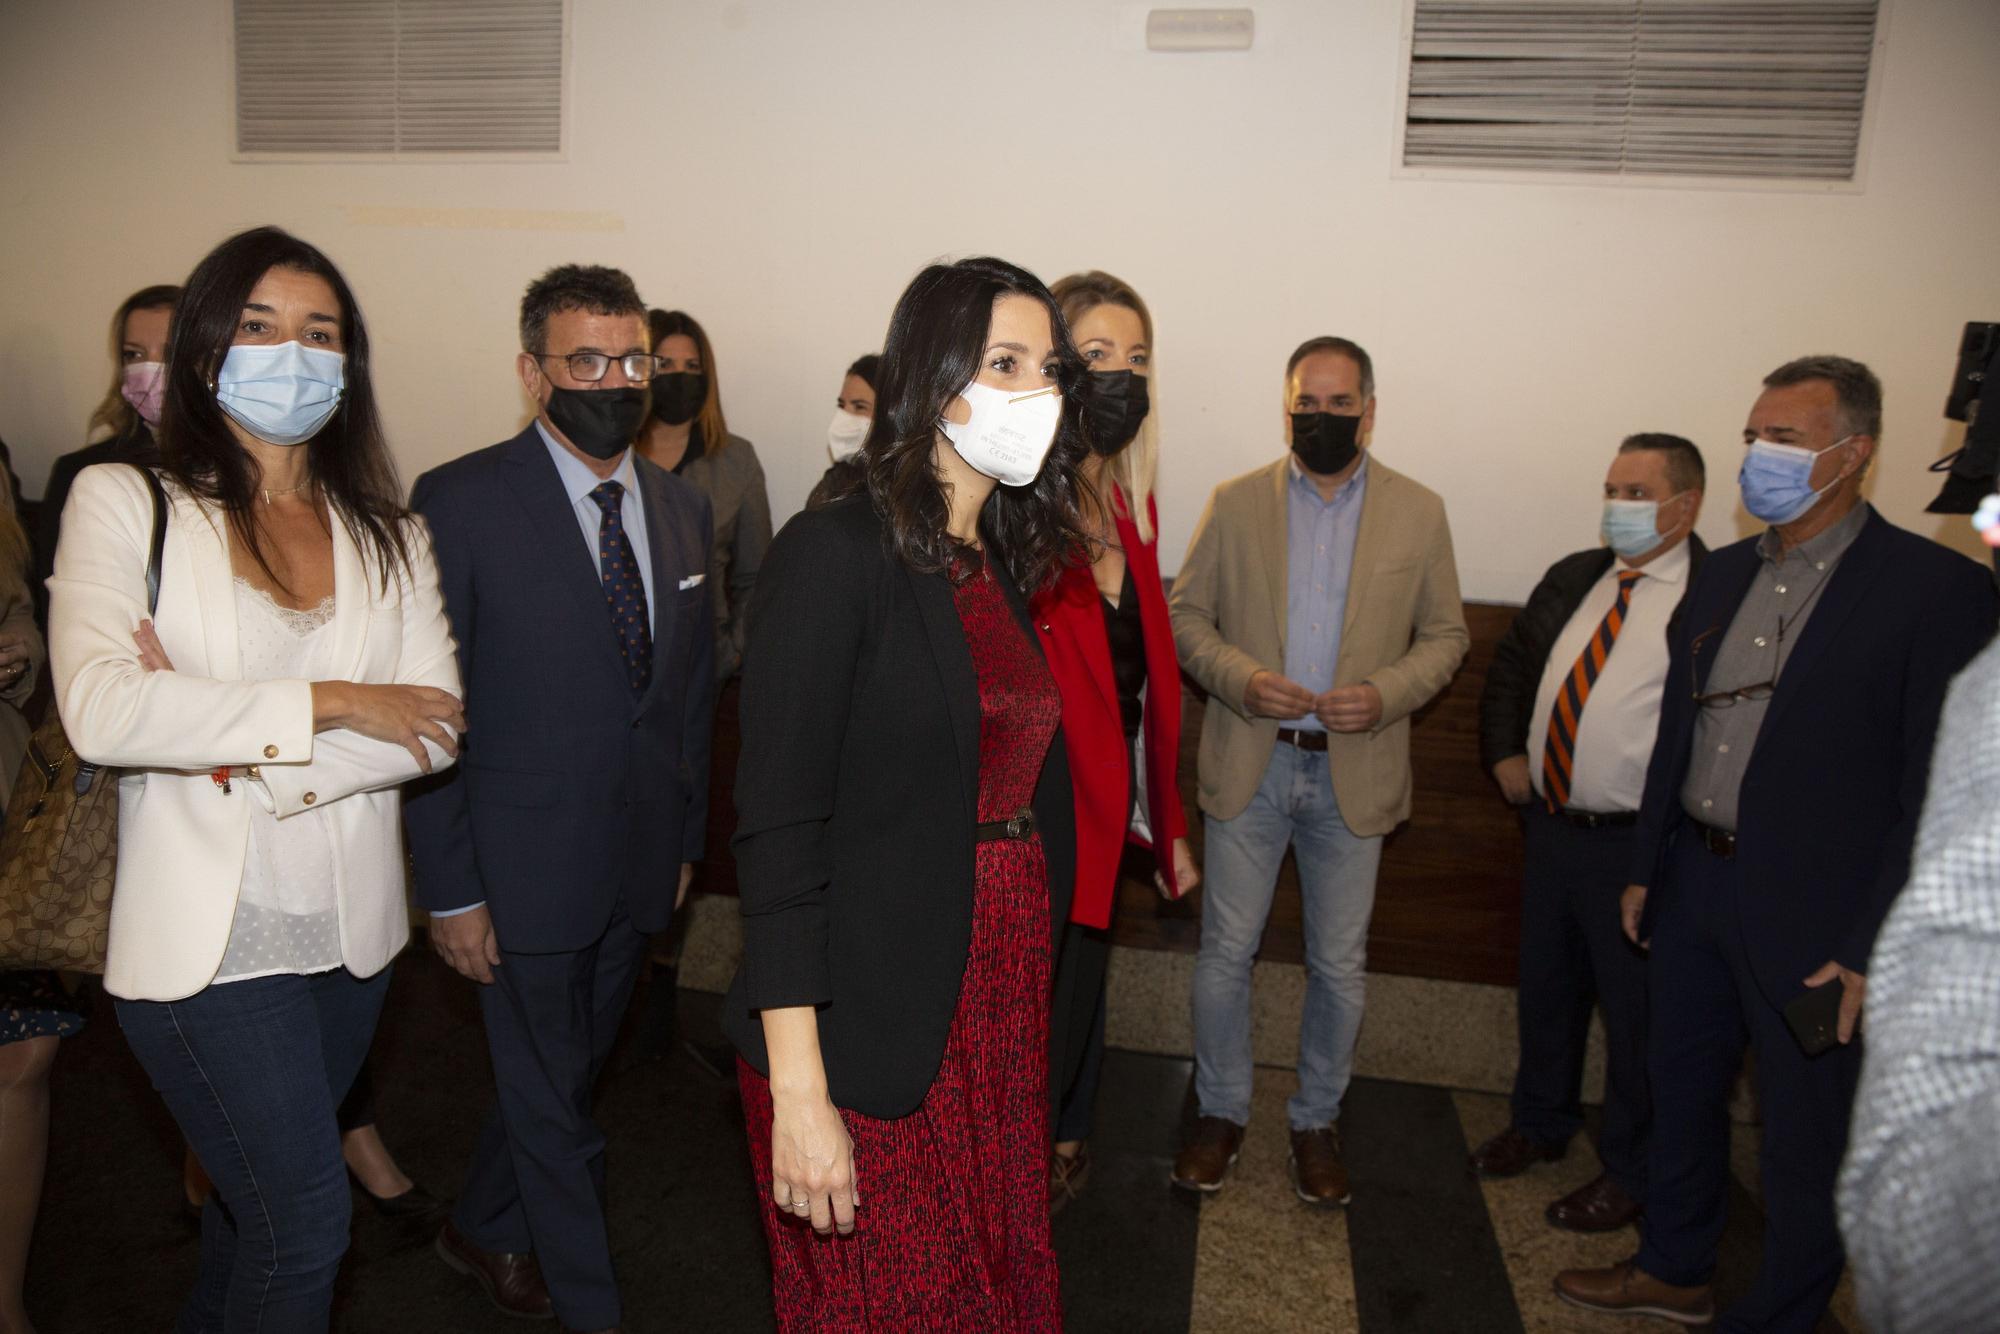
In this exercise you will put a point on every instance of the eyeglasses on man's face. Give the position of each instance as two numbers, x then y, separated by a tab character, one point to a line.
590	367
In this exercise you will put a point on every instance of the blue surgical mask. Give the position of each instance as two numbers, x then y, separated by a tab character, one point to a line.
1776	480
281	392
1632	527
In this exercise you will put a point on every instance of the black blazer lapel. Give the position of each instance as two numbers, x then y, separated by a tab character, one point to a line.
1707	623
956	674
539	489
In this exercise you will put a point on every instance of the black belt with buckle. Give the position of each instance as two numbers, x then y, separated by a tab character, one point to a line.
1599	819
1303	740
1020	828
1718	841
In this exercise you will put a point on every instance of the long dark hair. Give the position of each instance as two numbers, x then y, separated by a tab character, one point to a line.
937	339
114	413
348	461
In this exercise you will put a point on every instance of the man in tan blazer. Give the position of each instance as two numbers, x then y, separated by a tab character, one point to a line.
1318	606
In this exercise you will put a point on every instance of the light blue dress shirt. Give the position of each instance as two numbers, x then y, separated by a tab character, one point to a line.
1320	541
579	482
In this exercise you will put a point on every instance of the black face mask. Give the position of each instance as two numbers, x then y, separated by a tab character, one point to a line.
1324	441
600	422
1113	407
678	396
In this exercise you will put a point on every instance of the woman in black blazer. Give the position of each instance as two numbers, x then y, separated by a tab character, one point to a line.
905	839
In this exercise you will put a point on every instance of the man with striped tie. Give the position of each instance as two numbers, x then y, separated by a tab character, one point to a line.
1566	727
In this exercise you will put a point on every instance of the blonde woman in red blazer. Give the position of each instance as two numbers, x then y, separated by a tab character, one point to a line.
1106	634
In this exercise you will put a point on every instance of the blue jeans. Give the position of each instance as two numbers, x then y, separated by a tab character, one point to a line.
1295	807
253	1072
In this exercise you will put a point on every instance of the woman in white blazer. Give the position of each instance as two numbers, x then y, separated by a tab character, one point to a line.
298	669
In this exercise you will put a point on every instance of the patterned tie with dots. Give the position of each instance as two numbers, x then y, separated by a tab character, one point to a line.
624	591
1559	750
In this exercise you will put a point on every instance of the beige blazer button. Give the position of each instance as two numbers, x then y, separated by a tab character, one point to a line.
270	752
311	797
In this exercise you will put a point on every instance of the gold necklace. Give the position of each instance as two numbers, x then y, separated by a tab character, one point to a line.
270	495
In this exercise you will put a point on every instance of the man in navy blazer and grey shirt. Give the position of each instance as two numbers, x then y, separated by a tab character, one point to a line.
572	571
1805	677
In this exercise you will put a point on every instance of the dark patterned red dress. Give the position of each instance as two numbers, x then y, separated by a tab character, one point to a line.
953	1229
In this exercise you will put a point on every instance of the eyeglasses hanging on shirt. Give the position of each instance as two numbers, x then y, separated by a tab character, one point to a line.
1762	690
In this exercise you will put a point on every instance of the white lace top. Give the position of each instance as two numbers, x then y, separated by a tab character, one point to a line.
287	916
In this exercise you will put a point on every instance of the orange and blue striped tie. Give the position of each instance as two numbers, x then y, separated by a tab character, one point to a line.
1559	751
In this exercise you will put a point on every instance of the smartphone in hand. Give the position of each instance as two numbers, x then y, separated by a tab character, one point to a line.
1814	1017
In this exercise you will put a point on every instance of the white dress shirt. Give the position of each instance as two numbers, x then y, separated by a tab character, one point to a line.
1614	740
579	481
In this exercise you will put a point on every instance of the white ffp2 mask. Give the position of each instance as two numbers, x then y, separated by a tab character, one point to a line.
1009	434
846	434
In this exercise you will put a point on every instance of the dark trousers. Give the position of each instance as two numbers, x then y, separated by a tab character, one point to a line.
1706	1005
252	1072
1076	1029
537	1176
1574	952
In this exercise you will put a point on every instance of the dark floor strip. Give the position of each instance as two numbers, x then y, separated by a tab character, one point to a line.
1425	1257
113	1254
1127	1243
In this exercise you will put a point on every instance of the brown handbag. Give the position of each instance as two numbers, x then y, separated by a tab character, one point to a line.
59	846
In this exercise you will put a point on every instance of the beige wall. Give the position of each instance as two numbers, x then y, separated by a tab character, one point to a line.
781	170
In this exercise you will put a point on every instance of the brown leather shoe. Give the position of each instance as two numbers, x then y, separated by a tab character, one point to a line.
1208	1154
1066	1178
1626	1289
512	1282
1601	1206
1318	1177
1510	1153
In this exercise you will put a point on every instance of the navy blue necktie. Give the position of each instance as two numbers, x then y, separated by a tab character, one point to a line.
624	590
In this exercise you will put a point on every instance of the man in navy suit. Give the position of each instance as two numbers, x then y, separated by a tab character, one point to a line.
1807	672
573	575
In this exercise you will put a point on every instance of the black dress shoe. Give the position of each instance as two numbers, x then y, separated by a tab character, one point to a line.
1600	1206
414	1205
512	1281
1510	1153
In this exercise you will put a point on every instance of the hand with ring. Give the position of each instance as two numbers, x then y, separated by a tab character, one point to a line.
14	658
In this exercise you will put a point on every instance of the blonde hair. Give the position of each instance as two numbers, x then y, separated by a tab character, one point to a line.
1137	466
113	412
13	545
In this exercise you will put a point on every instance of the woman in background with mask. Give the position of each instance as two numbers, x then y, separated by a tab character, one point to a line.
904	840
298	670
130	410
685	433
853	414
1105	630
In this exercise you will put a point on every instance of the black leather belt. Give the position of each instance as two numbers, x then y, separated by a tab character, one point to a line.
1599	819
1021	828
1718	841
1303	740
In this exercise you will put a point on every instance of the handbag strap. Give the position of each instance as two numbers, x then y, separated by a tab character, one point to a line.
159	543
86	772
